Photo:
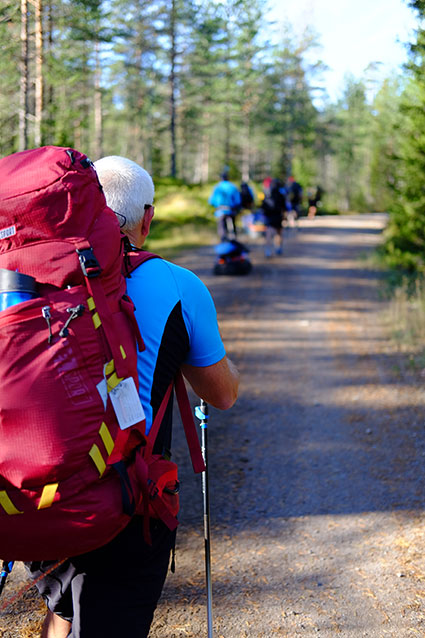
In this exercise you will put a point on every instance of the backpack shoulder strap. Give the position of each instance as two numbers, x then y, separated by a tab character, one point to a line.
187	420
134	258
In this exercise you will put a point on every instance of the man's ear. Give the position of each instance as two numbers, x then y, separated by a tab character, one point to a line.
147	219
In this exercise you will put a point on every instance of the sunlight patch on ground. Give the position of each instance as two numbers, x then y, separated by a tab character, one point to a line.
359	239
318	573
364	220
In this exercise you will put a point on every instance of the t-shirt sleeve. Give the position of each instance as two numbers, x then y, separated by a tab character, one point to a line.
206	346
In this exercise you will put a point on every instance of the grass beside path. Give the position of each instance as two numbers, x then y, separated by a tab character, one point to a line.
183	217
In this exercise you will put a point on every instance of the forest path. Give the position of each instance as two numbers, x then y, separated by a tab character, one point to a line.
317	473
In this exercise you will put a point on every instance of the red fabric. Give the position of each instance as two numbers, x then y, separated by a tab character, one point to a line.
52	203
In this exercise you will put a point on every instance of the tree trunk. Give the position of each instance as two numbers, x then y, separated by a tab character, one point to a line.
205	164
23	97
205	158
48	92
246	149
38	72
173	88
98	122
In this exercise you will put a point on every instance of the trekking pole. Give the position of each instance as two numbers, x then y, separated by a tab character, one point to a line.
201	413
5	571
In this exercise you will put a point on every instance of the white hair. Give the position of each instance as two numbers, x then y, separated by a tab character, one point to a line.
128	188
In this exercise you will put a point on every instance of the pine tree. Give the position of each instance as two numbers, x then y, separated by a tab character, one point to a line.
289	114
9	95
406	242
350	145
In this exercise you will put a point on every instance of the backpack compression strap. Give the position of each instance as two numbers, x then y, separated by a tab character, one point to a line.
91	271
156	502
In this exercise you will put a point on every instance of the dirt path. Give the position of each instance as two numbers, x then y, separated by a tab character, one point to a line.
317	473
317	481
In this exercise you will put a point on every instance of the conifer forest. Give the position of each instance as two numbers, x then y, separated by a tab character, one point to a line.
186	87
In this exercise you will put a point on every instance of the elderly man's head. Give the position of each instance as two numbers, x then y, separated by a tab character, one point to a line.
128	189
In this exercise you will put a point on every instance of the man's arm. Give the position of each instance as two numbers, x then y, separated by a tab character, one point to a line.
216	384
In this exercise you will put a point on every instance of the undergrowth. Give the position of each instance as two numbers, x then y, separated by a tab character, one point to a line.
183	218
406	317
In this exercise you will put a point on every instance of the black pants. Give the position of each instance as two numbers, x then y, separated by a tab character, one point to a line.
111	591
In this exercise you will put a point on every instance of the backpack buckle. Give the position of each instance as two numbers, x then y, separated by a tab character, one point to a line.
88	262
152	489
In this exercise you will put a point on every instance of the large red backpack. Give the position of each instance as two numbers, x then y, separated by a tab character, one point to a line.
69	421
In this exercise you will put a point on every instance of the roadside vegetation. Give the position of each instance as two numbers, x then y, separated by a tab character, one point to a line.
186	88
403	251
183	218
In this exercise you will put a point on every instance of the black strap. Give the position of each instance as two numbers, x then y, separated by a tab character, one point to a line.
128	502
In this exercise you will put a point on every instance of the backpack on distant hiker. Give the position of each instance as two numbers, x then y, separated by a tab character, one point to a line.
274	202
71	422
232	258
295	193
247	198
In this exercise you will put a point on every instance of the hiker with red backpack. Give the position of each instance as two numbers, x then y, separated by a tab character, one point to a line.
113	590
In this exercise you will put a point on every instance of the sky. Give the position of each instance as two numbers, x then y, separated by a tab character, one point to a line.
353	33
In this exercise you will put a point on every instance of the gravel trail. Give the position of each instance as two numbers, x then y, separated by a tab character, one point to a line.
317	473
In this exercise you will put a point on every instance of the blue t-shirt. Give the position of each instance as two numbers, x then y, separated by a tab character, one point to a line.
178	323
225	194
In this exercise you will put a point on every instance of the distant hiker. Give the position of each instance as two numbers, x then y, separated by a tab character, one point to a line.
226	200
295	193
314	195
247	196
295	198
274	207
113	591
266	185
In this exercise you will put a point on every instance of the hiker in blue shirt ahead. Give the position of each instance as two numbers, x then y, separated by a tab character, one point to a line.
226	200
113	590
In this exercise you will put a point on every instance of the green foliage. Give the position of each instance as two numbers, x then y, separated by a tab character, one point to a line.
385	144
185	87
9	72
182	218
406	318
353	122
405	244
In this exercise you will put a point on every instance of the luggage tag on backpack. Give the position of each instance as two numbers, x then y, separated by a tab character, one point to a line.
126	403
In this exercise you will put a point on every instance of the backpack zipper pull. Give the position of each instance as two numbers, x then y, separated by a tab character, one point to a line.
74	313
45	311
